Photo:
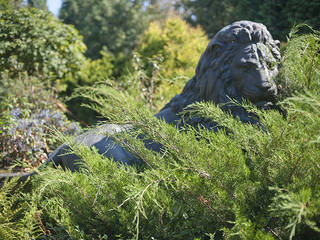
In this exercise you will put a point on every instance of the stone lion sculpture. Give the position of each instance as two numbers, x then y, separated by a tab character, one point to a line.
240	62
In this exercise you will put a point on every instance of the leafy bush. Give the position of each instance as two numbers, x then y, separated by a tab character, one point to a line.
97	70
92	72
35	42
173	50
29	114
179	44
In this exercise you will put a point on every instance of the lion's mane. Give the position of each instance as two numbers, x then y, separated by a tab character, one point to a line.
212	81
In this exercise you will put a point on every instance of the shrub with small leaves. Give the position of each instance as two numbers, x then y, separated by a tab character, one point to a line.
18	215
36	42
25	139
169	54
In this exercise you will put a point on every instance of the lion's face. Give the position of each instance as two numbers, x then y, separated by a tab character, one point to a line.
252	70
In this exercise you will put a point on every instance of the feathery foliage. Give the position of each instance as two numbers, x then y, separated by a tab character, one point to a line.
241	182
18	217
247	184
301	61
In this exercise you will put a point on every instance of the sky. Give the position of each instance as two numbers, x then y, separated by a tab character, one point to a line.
54	6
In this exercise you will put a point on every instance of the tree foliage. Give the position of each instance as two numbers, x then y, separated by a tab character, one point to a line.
270	13
159	10
211	15
279	16
40	4
169	54
36	42
5	4
177	43
303	12
113	26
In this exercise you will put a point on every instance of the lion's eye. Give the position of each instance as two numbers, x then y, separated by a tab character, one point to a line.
271	65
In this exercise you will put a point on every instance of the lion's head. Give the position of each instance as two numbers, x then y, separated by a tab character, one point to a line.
239	63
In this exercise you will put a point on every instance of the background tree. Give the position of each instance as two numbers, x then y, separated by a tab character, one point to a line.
4	4
159	10
109	25
41	4
270	13
168	55
35	42
212	15
303	11
279	16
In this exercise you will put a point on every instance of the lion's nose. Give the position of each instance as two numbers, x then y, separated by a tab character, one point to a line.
265	79
265	85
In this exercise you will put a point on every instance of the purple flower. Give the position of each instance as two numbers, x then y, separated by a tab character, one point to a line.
12	131
16	113
45	113
29	131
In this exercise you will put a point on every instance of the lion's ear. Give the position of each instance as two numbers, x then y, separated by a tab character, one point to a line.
244	35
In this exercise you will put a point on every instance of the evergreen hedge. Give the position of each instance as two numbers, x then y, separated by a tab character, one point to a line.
243	182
